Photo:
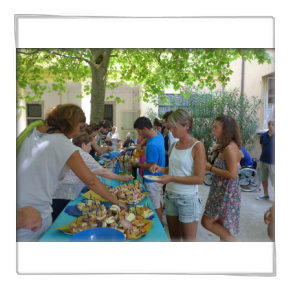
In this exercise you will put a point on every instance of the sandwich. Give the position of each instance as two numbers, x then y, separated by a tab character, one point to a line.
138	223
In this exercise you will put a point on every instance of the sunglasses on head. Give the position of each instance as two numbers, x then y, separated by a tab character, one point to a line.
82	126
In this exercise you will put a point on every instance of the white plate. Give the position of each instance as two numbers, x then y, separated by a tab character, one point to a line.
152	177
132	147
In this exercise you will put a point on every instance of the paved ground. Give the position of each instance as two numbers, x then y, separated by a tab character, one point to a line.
252	226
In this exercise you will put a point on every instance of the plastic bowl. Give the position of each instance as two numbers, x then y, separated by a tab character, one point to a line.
102	234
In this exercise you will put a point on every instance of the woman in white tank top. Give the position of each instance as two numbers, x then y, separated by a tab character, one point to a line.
185	172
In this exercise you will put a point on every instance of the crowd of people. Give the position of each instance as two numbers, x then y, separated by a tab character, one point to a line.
52	170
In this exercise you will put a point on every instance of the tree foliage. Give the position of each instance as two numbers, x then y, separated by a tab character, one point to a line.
206	106
155	69
152	115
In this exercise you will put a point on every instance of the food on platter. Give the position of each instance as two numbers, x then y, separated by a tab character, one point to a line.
139	217
138	223
126	224
114	209
131	225
110	220
88	205
132	233
130	217
141	211
128	193
123	214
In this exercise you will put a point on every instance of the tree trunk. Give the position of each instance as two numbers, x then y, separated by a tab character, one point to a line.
99	65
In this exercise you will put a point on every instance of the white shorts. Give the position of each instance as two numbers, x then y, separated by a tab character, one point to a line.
155	190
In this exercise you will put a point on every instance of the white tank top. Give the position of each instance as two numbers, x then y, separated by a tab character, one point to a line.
181	164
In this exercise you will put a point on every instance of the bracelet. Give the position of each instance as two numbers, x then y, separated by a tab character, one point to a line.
211	168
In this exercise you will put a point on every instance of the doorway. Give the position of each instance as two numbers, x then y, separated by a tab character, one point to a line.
108	113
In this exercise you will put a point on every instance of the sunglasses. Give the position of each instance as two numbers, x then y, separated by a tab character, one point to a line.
82	126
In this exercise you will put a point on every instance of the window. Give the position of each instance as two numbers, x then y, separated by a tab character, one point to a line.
108	113
172	98
34	111
269	106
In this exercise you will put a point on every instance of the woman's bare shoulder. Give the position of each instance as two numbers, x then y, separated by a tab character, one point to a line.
198	144
232	145
232	149
198	148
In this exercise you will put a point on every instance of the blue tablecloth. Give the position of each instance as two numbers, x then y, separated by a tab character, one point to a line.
156	234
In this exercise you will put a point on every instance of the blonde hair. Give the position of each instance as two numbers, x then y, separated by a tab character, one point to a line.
182	117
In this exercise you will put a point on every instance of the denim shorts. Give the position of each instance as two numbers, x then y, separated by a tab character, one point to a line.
187	207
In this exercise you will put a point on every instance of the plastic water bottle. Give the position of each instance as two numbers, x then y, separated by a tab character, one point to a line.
134	169
111	166
129	168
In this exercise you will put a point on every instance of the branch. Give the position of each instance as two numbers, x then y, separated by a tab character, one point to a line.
54	53
66	56
82	54
31	53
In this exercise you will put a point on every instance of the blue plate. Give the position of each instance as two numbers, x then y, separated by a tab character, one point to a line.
101	162
113	155
106	156
101	234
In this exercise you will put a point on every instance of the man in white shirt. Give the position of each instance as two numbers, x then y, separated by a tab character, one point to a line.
113	136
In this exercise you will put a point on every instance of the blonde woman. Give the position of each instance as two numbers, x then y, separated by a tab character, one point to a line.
185	172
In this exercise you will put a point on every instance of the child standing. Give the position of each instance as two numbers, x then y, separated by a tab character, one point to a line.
222	208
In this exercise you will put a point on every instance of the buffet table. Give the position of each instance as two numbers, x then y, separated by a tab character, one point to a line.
156	234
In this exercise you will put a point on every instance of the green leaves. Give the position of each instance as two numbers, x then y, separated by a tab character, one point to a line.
154	69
